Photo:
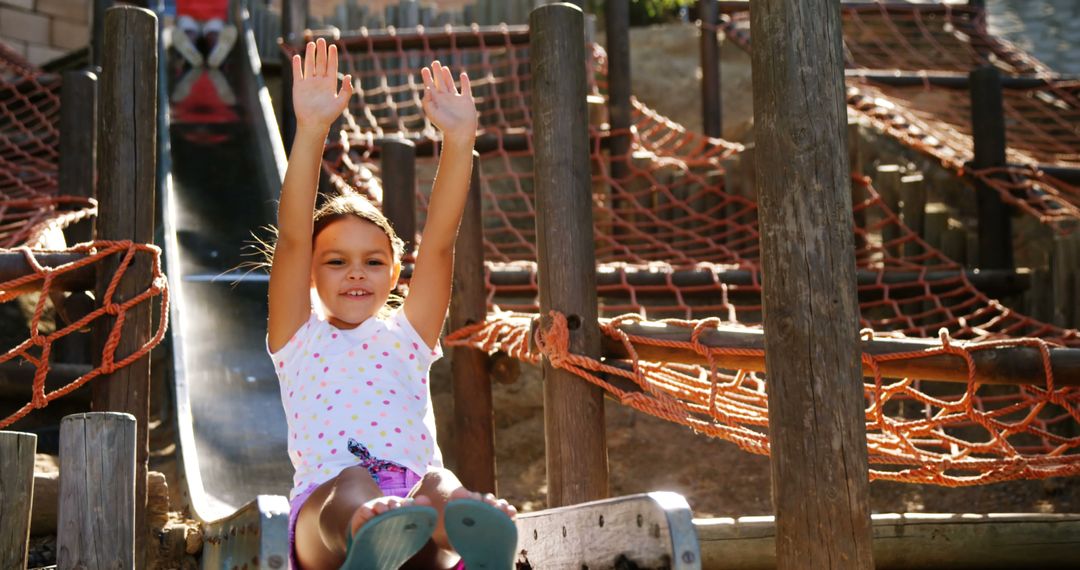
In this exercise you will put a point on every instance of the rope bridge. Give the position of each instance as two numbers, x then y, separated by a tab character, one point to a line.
677	238
941	40
31	211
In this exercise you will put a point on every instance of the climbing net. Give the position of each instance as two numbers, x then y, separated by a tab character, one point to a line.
32	213
930	39
677	240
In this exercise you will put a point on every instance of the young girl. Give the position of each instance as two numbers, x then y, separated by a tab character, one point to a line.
370	490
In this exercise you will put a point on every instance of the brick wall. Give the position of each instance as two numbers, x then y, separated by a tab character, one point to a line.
43	30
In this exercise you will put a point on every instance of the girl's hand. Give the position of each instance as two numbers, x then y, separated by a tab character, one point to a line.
452	112
317	101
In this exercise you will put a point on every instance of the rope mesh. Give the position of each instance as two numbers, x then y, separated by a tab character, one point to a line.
677	238
32	209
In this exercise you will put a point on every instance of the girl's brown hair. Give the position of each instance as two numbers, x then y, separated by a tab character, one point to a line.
351	204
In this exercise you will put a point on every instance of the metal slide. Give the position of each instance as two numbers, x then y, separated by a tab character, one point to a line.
223	166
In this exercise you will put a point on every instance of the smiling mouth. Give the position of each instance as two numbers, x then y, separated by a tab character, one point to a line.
356	294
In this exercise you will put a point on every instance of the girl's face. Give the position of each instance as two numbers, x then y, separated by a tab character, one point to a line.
353	270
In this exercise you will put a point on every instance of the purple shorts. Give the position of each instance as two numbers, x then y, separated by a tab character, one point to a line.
393	483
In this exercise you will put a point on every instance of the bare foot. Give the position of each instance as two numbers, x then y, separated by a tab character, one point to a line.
501	504
380	505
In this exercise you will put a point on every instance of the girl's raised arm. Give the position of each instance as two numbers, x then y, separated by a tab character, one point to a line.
317	102
455	115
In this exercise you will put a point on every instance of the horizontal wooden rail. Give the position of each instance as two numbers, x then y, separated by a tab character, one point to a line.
1003	365
434	38
732	6
946	79
13	265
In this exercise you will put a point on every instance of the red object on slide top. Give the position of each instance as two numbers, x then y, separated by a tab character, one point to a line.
203	10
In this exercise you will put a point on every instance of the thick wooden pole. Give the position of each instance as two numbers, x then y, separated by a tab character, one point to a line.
399	188
474	431
78	147
816	420
97	32
573	410
988	134
617	20
16	495
711	110
96	527
127	167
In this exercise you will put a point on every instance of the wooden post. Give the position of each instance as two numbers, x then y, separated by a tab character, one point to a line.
617	19
573	409
816	418
98	31
988	132
127	166
399	188
711	110
78	151
96	527
887	179
474	431
913	194
293	23
16	496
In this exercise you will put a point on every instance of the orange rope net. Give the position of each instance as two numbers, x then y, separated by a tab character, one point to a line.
31	212
935	120
677	238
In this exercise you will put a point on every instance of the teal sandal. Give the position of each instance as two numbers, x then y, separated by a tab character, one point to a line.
388	540
482	534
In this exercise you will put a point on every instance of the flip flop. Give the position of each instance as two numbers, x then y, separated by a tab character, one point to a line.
388	540
483	535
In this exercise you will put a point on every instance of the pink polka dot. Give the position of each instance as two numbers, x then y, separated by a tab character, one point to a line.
297	416
423	437
388	444
412	356
281	364
352	353
397	430
291	393
328	408
321	435
392	391
385	353
317	396
322	384
326	369
342	432
316	355
298	454
338	391
333	335
415	346
333	452
386	402
370	383
423	380
374	423
364	346
379	366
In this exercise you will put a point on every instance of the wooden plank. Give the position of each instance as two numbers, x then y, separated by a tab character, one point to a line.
399	188
78	119
914	541
887	181
16	496
97	525
988	135
712	121
573	409
638	531
127	167
816	416
474	418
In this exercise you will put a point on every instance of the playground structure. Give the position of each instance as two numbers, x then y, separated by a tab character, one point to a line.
682	225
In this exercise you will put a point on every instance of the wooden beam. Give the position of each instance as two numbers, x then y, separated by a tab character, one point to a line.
617	20
1019	365
97	32
711	108
16	496
988	135
97	526
949	79
398	161
638	531
573	410
913	541
458	37
474	418
816	418
78	150
127	166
